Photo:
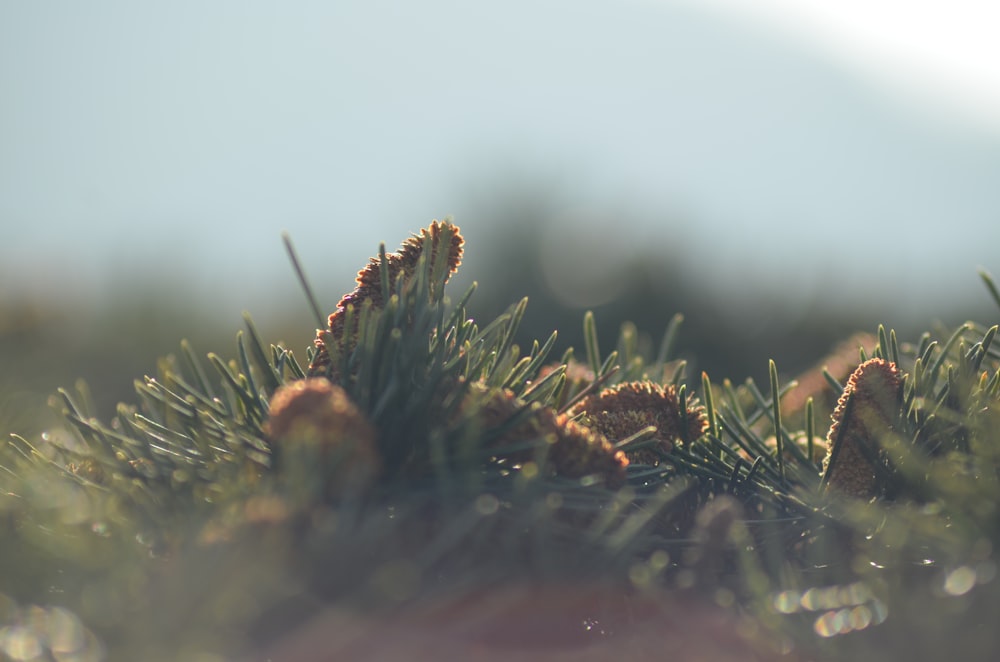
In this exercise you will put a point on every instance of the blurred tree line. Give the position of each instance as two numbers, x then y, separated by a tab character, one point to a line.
45	344
729	335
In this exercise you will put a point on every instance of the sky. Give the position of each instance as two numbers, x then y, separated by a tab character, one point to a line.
943	55
826	148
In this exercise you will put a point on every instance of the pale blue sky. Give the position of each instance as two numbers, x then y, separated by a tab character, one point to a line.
192	133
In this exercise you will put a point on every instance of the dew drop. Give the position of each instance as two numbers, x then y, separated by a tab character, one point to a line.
825	625
960	581
20	643
810	600
66	633
786	602
487	504
860	617
986	572
640	575
659	560
880	611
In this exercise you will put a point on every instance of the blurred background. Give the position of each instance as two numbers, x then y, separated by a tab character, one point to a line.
781	173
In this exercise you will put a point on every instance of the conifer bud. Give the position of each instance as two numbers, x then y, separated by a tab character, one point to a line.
402	263
580	451
313	418
572	450
866	411
620	411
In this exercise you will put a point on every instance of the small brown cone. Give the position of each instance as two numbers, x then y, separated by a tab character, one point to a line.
313	418
865	412
369	285
574	451
620	411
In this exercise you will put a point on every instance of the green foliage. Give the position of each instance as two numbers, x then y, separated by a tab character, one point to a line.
187	498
